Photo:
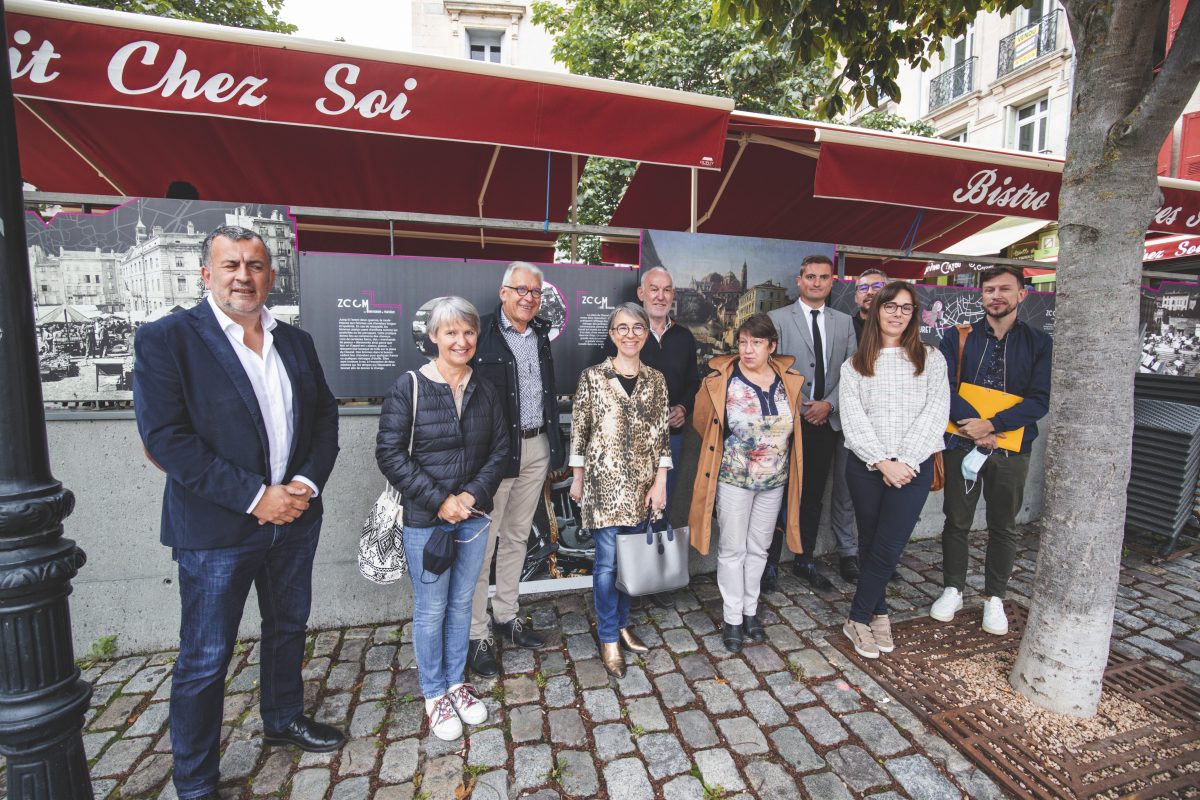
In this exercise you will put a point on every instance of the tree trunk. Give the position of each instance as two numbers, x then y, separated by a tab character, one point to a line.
1109	194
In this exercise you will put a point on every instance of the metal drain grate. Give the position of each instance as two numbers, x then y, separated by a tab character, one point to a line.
1159	761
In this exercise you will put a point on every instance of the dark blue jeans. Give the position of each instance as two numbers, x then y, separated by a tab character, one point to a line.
886	518
676	440
612	605
213	586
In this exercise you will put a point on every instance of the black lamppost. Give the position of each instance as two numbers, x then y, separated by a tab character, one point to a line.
42	698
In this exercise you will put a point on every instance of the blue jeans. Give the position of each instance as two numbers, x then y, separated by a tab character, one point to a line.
676	440
612	605
886	518
213	586
442	604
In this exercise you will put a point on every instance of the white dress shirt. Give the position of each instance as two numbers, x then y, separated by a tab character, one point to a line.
272	389
820	326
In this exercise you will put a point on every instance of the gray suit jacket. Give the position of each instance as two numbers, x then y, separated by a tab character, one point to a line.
795	339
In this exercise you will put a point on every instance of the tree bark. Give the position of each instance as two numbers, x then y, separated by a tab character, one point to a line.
1121	112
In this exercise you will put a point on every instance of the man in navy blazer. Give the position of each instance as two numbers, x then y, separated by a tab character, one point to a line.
233	406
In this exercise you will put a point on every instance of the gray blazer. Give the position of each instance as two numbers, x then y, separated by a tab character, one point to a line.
795	339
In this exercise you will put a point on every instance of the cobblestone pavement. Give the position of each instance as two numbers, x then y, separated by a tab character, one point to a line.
789	718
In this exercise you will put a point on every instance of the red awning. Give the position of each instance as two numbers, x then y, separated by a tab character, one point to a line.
810	181
115	103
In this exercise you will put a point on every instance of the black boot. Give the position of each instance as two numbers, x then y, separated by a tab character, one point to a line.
770	578
731	637
481	657
807	571
848	566
753	629
513	632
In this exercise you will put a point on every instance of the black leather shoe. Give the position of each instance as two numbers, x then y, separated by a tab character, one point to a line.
848	566
307	734
807	571
663	599
770	578
513	632
481	658
753	629
731	637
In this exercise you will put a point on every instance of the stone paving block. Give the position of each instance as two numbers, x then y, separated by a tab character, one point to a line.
334	708
118	712
351	650
647	713
718	697
559	691
811	663
309	784
590	674
697	729
152	720
648	635
769	780
432	747
582	646
359	756
699	623
612	741
119	757
380	657
551	664
102	789
93	743
517	661
679	640
375	686
878	734
566	728
151	772
674	690
408	683
1155	648
920	778
102	694
857	768
545	618
443	776
399	761
783	638
717	770
325	643
406	657
525	724
274	772
386	634
684	787
367	720
486	748
839	696
148	679
531	766
352	789
666	618
122	670
315	669
577	774
793	747
406	719
765	709
520	690
663	754
797	618
488	786
235	706
626	780
342	676
739	676
246	680
696	667
828	786
743	736
574	623
602	705
658	661
634	683
762	658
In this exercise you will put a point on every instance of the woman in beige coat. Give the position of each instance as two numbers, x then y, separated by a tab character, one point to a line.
748	414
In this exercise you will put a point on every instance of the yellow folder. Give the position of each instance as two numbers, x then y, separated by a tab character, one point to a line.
989	403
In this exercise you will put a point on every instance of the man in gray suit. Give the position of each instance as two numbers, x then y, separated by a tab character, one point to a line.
821	339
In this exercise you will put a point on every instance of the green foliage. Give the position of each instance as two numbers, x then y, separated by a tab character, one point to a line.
862	44
260	15
103	649
882	121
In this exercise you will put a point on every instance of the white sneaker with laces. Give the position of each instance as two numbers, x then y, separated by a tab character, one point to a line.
466	703
946	606
443	722
994	620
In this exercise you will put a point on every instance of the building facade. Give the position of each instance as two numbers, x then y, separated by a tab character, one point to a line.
77	277
498	32
162	270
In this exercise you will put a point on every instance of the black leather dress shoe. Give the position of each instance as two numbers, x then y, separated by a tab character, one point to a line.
848	566
807	571
513	632
731	637
753	629
307	734
770	578
481	658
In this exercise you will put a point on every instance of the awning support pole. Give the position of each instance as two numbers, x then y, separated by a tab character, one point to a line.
574	207
724	181
71	145
695	198
392	237
487	179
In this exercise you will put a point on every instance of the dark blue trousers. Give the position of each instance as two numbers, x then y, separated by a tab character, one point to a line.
886	518
213	587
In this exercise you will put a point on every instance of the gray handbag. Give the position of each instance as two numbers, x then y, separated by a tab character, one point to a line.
381	556
651	561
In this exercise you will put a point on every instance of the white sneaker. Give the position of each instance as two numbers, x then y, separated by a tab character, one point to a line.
443	722
994	620
946	606
466	702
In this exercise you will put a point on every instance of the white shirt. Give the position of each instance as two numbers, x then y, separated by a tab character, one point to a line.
272	389
820	326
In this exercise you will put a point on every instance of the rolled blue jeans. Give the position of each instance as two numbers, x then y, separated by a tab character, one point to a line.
442	603
612	605
213	586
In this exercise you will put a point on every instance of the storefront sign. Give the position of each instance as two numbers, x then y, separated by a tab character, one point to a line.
1172	247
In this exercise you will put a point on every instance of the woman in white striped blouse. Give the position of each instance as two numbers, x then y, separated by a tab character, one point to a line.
895	400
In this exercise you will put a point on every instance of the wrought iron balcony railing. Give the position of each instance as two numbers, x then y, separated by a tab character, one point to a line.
1028	44
952	84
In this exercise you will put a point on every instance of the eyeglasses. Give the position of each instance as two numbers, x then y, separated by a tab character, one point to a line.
905	309
625	330
525	290
752	344
863	288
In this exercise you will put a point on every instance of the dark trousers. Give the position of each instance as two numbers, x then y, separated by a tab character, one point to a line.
817	448
213	586
676	440
1002	484
886	518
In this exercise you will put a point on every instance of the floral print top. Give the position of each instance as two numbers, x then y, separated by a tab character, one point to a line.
760	434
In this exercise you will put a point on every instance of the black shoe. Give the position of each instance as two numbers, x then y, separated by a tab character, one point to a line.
807	571
481	658
513	632
307	734
770	578
895	576
731	637
753	629
848	566
663	600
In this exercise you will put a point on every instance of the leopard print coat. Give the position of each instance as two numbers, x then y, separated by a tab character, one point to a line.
621	441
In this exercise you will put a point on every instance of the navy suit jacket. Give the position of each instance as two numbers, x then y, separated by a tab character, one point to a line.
200	421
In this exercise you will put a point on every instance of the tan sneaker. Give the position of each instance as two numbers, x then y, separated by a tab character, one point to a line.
881	628
861	637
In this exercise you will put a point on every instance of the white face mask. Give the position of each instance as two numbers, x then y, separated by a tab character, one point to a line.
971	464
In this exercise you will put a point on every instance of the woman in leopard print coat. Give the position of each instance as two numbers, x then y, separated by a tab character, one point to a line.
620	454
